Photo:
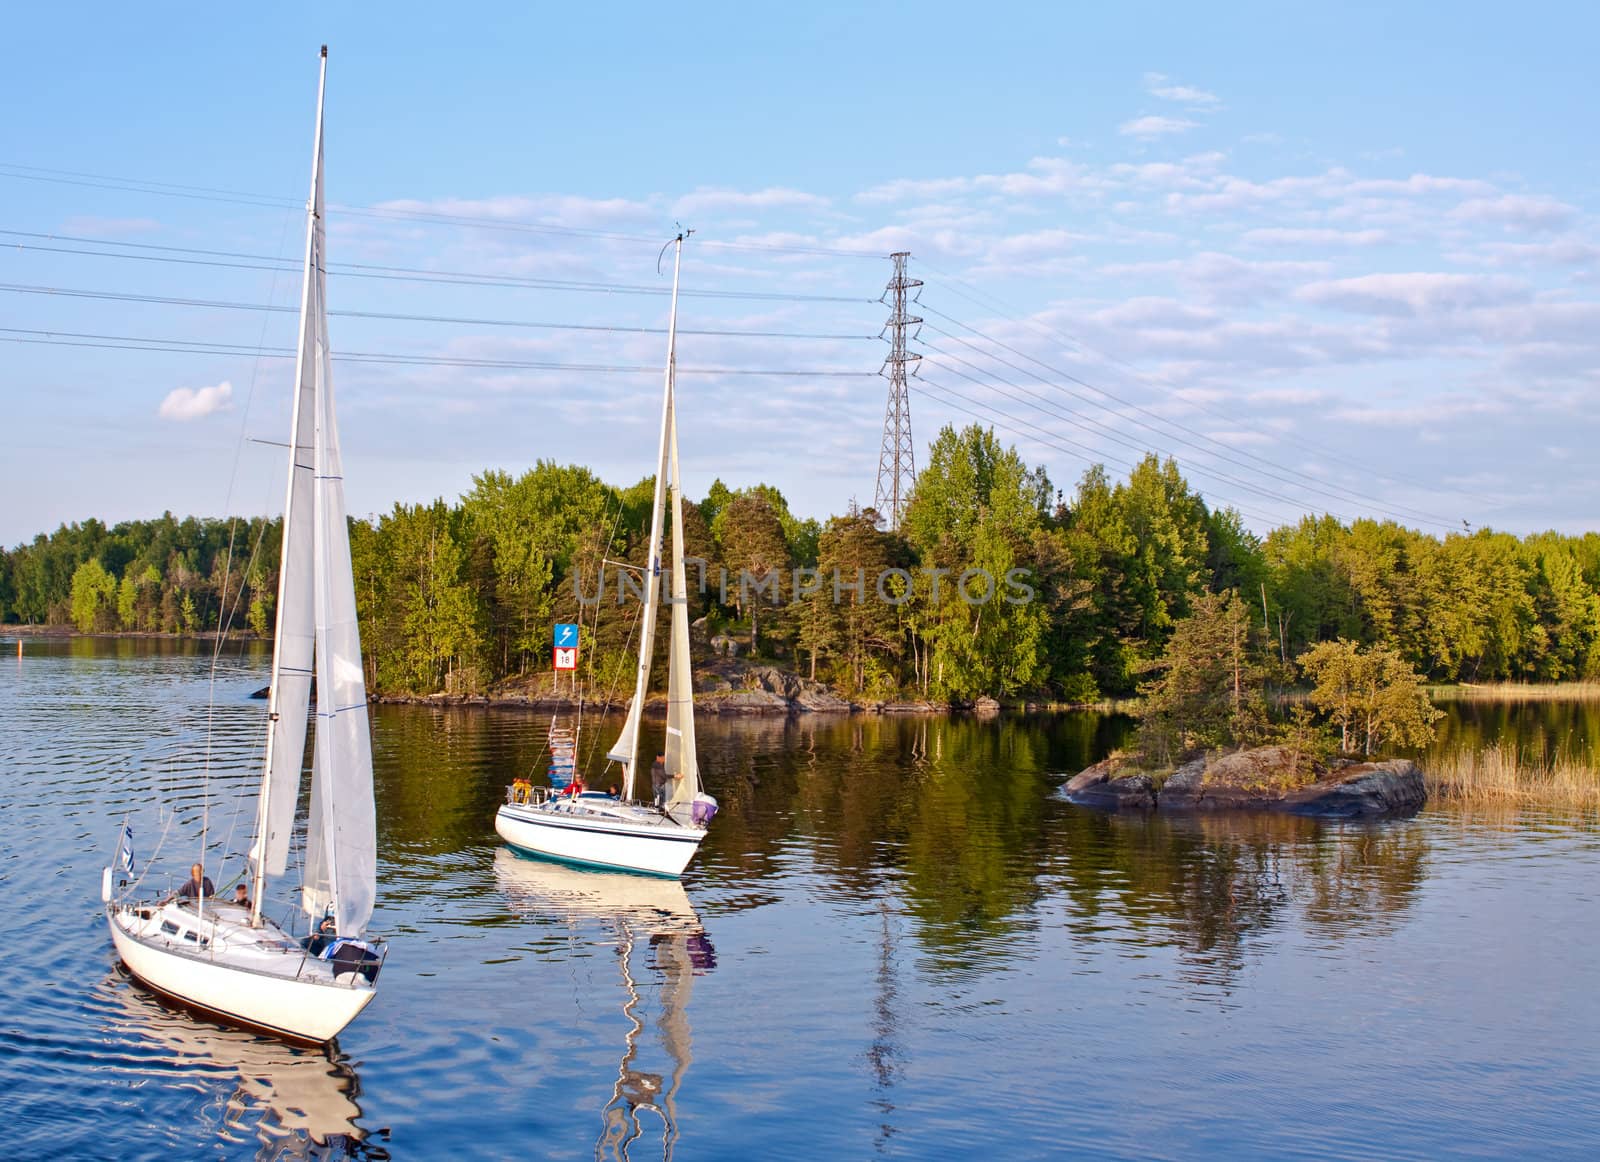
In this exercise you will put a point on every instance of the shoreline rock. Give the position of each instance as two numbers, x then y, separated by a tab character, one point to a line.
1259	779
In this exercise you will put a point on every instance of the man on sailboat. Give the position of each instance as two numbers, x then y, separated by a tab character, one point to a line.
197	885
659	780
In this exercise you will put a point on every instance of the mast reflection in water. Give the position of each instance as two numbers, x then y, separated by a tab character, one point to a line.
648	915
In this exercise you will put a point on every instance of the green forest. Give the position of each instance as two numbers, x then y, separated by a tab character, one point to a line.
460	598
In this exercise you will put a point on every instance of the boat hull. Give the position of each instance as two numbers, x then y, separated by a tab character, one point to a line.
308	1011
598	839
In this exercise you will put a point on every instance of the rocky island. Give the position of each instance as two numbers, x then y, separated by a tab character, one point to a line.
1268	778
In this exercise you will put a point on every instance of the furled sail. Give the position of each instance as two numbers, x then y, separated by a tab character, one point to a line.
682	761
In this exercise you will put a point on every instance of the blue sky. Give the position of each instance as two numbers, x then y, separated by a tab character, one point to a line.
1339	259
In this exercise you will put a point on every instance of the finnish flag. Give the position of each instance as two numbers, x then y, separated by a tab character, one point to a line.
125	850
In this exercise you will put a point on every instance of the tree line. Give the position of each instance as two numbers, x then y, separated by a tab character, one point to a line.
459	597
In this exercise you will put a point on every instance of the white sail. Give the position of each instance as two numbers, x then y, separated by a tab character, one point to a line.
294	631
625	749
682	760
341	837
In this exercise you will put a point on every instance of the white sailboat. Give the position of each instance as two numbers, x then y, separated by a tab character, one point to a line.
219	957
616	832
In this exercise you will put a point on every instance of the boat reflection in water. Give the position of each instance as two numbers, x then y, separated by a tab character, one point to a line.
296	1102
650	916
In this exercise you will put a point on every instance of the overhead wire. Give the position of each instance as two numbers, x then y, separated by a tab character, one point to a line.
209	347
394	273
1094	455
986	412
1011	314
1286	476
214	194
224	304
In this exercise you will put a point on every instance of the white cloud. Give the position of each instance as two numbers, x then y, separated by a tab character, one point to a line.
563	209
1222	277
719	201
1558	252
1158	85
191	403
1528	212
1313	236
1153	126
1412	293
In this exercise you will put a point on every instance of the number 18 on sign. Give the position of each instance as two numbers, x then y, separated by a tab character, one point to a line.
566	646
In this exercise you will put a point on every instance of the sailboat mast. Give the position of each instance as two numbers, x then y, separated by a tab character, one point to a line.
653	568
276	682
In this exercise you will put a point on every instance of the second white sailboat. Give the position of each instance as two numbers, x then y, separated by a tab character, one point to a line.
609	831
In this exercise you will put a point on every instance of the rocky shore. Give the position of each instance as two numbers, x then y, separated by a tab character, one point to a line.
725	687
1271	778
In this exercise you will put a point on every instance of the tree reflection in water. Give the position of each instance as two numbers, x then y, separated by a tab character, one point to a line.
1210	883
956	822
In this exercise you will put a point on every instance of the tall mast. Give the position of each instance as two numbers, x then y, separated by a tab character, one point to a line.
627	748
307	320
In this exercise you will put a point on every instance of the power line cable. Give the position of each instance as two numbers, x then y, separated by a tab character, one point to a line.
1094	454
1296	480
223	304
213	194
402	273
1014	315
1032	432
199	347
1180	435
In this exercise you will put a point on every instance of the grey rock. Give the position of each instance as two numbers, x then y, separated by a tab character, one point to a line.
1362	791
1256	780
1101	786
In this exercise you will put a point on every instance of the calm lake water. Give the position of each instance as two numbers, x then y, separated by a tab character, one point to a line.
898	941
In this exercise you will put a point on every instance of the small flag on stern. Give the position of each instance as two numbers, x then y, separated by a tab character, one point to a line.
125	850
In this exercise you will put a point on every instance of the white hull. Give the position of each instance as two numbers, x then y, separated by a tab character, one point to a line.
258	977
610	835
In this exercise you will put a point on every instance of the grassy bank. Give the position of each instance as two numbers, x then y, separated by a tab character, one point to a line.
1517	692
1499	774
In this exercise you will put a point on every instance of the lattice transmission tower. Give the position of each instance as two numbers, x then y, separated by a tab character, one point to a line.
897	466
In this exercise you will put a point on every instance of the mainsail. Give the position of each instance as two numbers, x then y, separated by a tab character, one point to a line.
317	621
625	749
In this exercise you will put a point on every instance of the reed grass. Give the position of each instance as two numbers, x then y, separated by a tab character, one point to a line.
1500	774
1517	692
